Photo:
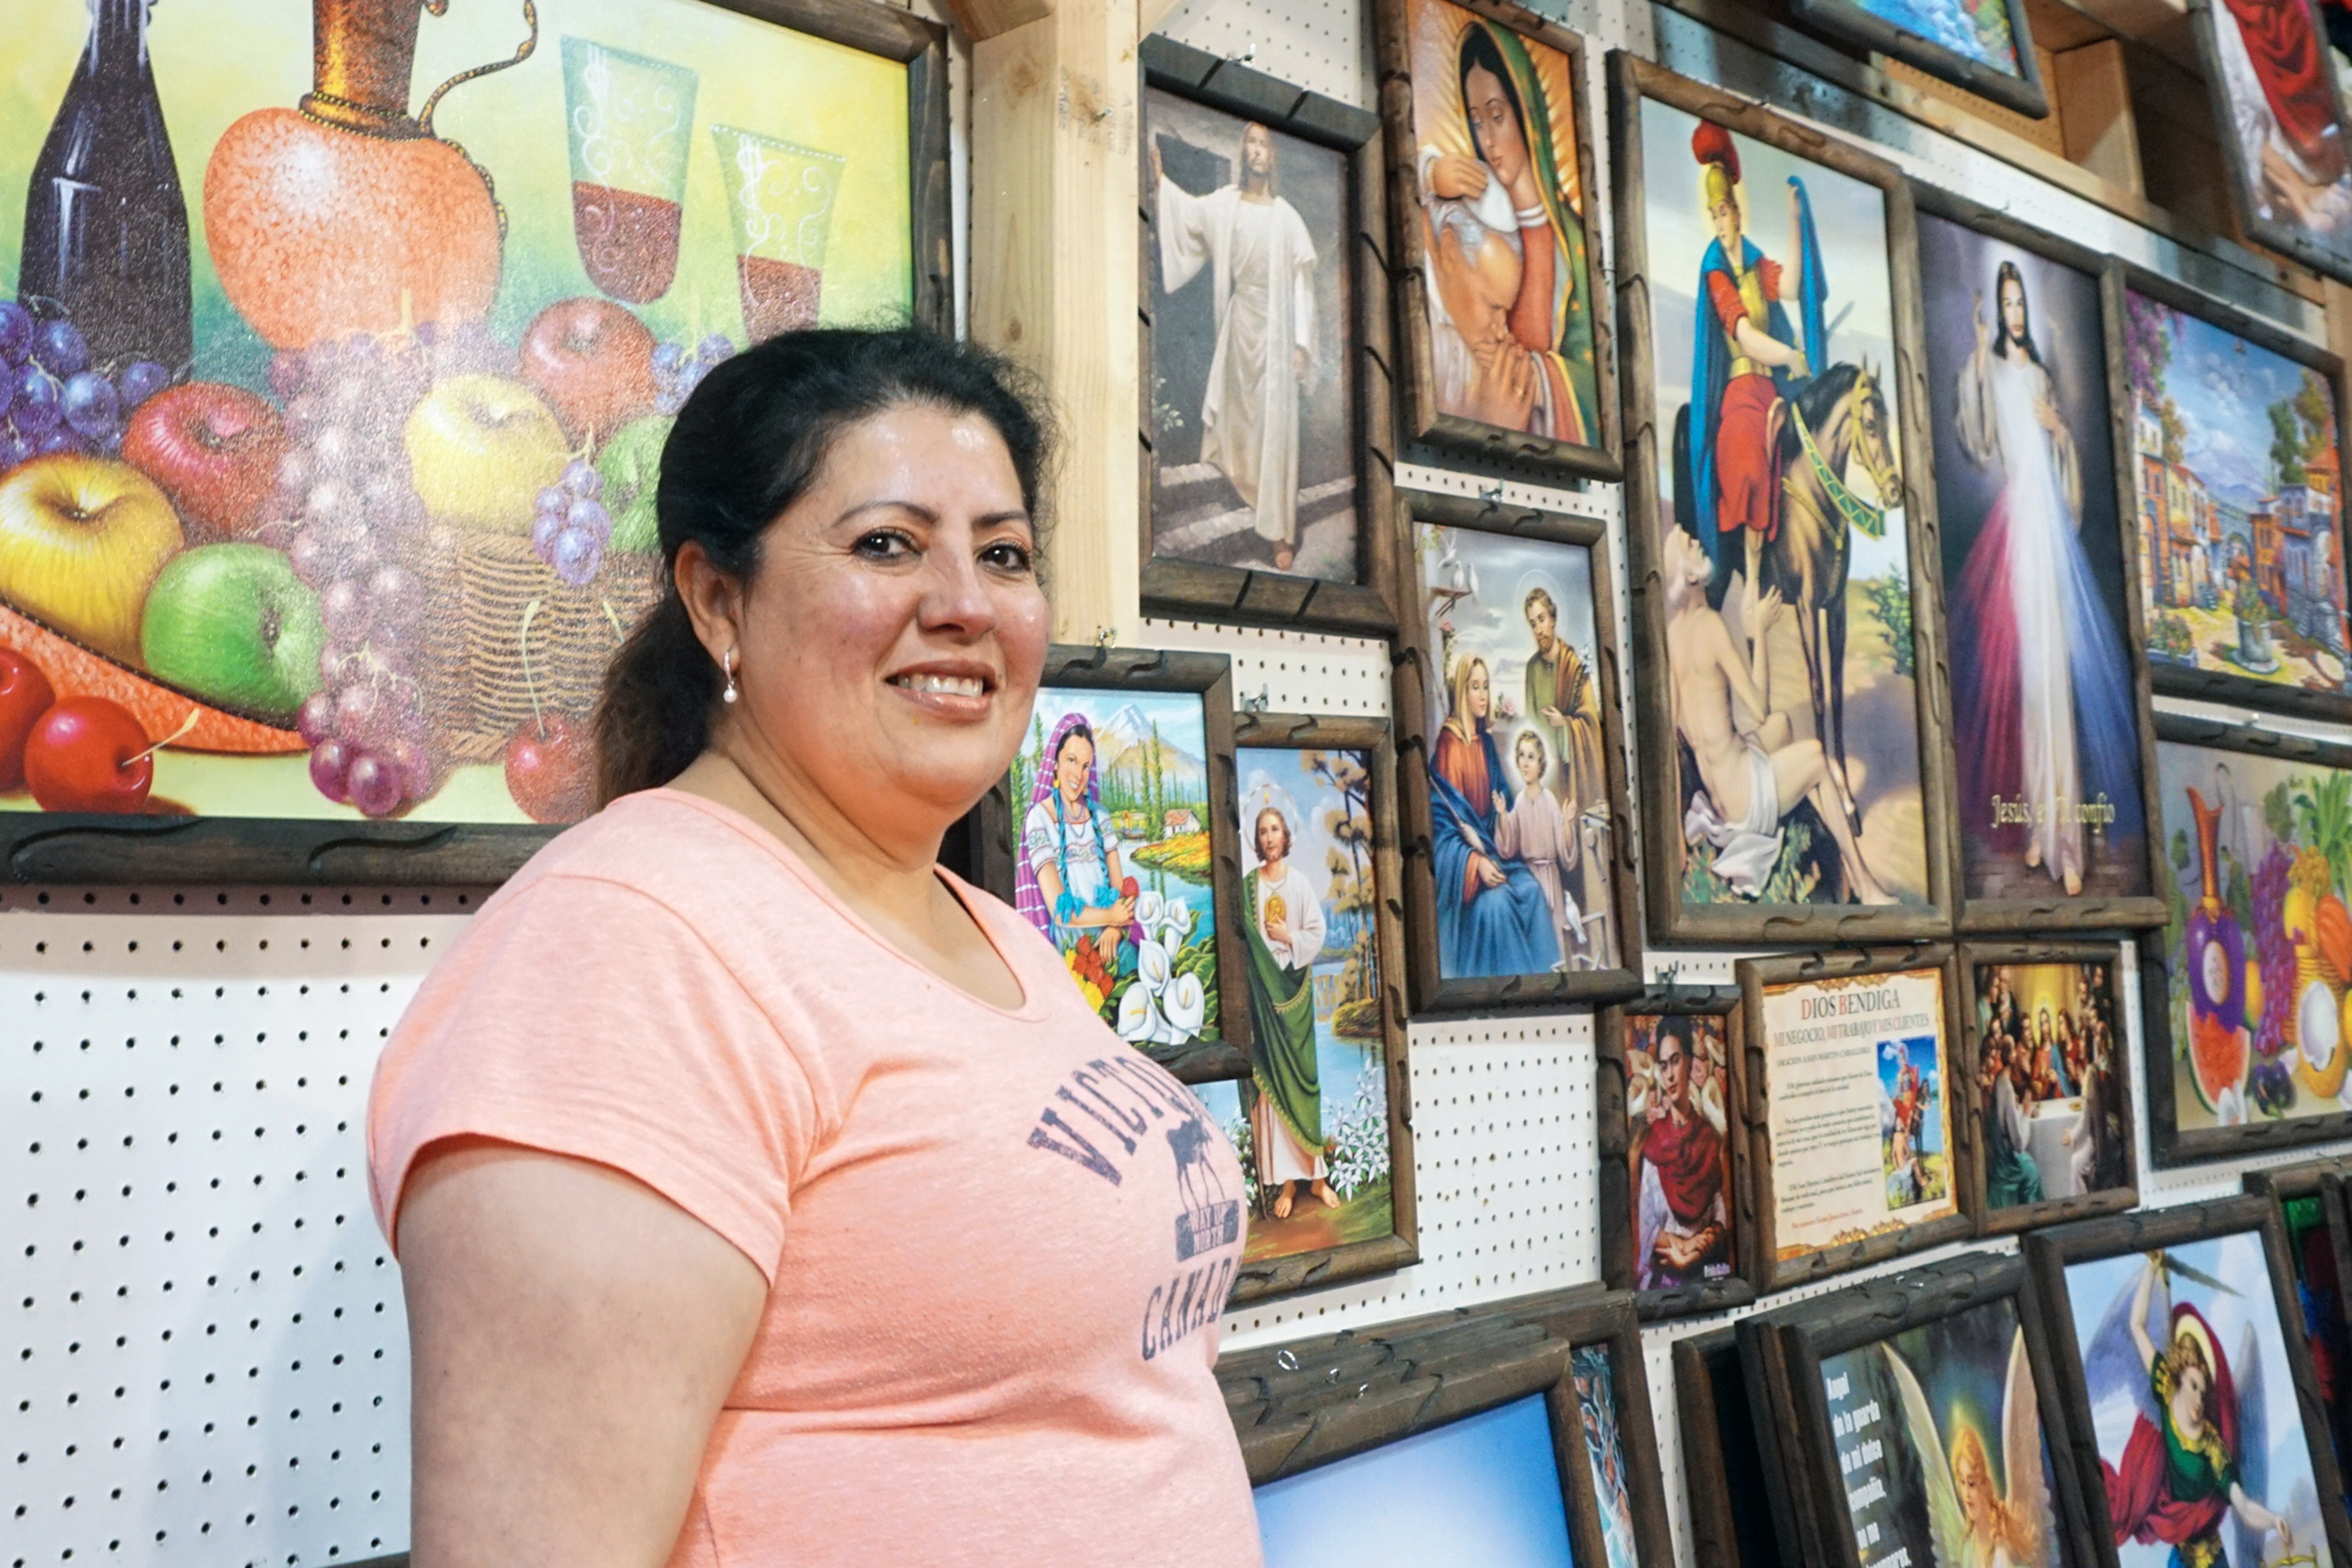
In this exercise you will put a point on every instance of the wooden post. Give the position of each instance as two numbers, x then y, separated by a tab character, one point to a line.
1054	267
2094	106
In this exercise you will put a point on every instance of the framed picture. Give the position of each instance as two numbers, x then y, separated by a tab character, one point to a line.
1125	854
1319	1124
1985	48
1671	1131
2050	820
2311	1221
1723	1466
1923	1418
1784	574
2172	1331
378	462
1267	429
2046	1117
1517	885
2242	1008
1515	1433
2281	112
2241	556
1503	343
1849	1058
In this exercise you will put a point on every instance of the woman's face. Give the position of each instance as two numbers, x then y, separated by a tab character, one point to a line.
1502	140
1975	1485
1071	765
892	639
1480	694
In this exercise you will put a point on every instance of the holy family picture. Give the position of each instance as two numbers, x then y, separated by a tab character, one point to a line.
2052	1101
1786	692
1678	1106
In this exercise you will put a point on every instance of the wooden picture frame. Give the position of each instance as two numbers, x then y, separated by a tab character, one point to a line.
1298	1270
203	840
1618	1195
1259	596
2163	1056
1419	688
2049	1254
1299	1406
2022	92
1209	677
2314	1191
1673	920
1760	979
1723	1466
2290	239
1421	417
1976	1142
2053	911
1808	1334
2162	583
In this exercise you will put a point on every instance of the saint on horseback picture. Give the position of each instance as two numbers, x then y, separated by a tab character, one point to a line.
1781	547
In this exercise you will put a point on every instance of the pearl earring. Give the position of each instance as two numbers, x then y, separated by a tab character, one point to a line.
730	694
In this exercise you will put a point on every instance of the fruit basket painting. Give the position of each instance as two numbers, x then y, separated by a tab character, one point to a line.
338	341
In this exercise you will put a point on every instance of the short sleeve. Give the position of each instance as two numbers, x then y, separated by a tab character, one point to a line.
1037	840
584	1018
1767	274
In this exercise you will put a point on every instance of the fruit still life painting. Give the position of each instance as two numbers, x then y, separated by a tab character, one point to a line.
339	343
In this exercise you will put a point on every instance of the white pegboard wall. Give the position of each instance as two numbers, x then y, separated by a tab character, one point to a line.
1280	671
1321	45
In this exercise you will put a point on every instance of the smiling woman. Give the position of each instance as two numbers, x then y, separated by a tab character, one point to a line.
732	1084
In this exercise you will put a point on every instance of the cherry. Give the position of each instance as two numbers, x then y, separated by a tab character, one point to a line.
87	754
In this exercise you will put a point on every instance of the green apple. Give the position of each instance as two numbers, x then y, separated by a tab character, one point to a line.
80	540
481	449
631	466
234	626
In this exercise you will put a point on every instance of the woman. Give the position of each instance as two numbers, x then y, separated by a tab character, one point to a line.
1491	915
1067	878
1283	1096
1997	1537
2043	682
720	1152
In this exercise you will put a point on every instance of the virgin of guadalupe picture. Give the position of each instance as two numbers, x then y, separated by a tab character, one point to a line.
1678	1144
2275	92
1112	858
1310	1122
1500	208
2050	792
2202	1447
1783	557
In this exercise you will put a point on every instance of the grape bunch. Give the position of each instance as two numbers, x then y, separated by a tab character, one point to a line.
572	527
53	398
677	372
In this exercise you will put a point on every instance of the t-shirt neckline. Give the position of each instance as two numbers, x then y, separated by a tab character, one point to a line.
1032	1004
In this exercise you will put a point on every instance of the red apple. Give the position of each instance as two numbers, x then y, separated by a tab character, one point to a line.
214	449
25	696
79	759
552	768
592	360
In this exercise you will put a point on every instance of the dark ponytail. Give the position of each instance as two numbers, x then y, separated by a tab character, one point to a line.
746	446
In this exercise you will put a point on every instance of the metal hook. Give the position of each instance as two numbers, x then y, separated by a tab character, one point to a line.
1492	495
1670	974
1259	703
1286	1360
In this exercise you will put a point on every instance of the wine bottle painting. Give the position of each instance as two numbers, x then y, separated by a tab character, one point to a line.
336	503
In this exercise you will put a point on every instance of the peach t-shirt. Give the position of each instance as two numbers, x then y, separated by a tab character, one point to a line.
995	1242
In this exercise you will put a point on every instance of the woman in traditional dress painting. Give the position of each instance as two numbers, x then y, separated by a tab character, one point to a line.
1491	915
2043	687
1067	877
1514	195
1283	1096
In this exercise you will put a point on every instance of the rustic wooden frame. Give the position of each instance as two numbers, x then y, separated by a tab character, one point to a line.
1416	377
2047	1253
2001	1222
2057	912
1193	589
1757	976
1299	1271
93	848
2324	1180
1866	1314
1713	1413
2023	92
1416	666
1671	922
2172	679
2286	238
2168	1145
1297	1406
1209	677
1611	1141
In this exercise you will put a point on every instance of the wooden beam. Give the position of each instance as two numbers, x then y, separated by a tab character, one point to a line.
987	18
2094	100
1054	258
